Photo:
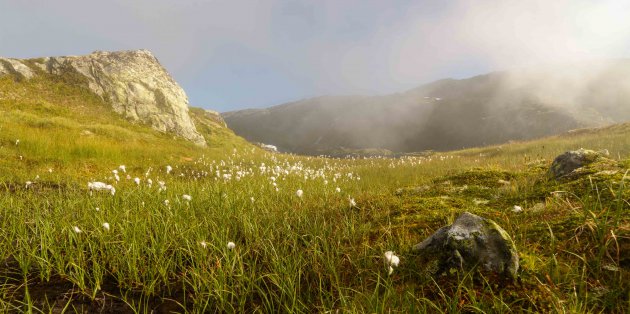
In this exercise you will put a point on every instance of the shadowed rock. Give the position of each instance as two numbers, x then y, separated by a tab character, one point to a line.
469	242
565	164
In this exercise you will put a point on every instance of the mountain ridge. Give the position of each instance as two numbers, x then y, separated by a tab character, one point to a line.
448	114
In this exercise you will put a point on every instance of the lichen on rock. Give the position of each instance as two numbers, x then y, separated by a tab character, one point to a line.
471	241
565	164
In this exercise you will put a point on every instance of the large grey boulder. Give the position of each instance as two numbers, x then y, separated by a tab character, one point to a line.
566	163
134	82
471	241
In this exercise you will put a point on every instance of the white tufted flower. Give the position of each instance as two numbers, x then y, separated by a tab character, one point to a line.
391	261
299	193
100	186
231	245
106	226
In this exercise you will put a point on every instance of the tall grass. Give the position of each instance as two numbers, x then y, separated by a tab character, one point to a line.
315	253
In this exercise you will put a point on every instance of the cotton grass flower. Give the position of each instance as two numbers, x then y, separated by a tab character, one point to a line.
338	190
391	261
106	226
231	245
136	180
100	186
187	197
122	168
299	193
352	202
517	209
203	244
169	169
76	229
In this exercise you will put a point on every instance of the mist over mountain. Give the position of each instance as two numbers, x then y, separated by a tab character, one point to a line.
448	114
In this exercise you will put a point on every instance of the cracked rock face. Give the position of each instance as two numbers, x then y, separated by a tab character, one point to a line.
471	241
134	82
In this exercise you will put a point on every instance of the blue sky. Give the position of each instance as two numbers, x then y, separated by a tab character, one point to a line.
230	55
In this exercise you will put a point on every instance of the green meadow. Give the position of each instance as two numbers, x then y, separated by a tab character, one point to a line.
162	245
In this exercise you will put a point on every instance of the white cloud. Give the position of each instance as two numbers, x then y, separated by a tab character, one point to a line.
506	34
322	47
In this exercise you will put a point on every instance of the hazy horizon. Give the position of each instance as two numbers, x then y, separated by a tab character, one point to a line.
231	55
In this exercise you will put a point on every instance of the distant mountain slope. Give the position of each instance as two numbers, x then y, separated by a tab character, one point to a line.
448	114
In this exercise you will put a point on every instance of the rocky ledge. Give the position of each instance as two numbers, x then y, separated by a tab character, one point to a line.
133	82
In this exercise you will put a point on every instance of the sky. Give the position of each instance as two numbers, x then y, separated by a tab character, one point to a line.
230	55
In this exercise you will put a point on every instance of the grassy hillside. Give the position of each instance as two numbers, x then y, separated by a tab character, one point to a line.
448	114
61	125
163	251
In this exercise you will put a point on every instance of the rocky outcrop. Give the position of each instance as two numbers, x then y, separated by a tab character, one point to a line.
15	67
133	82
565	164
469	242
